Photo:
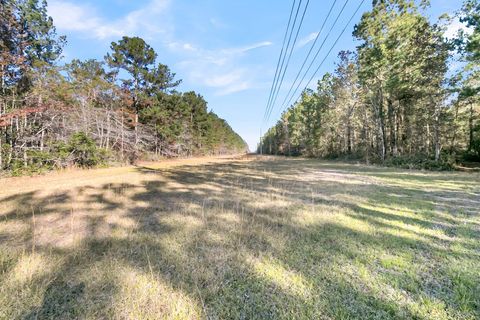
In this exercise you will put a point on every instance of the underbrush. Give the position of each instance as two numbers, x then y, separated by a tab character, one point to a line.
421	163
470	157
79	151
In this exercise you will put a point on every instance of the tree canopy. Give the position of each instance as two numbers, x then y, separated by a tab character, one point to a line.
90	112
390	101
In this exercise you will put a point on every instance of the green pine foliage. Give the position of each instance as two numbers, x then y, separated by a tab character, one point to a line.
89	113
392	100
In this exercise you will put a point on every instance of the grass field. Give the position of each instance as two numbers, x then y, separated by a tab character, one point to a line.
256	238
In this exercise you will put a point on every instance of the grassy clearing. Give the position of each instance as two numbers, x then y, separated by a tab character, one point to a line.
271	238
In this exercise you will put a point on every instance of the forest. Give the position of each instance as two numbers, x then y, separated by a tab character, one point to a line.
407	96
88	113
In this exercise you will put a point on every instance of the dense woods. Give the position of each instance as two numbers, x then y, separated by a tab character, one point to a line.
92	112
395	100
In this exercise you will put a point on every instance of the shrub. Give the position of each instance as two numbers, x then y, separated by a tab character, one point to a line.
38	162
420	163
470	157
84	151
80	150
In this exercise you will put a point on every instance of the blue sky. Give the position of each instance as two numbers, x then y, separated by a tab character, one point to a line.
226	50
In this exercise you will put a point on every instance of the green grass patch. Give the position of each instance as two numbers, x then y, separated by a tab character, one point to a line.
265	239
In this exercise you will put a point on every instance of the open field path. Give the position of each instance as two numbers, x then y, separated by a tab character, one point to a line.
241	238
77	177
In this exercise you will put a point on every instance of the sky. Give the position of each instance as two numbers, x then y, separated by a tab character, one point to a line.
226	50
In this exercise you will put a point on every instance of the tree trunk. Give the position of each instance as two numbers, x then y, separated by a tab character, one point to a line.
454	136
107	142
349	136
427	142
391	126
3	107
1	152
42	137
25	157
437	133
406	132
99	130
123	138
395	132
366	135
378	105
470	129
136	129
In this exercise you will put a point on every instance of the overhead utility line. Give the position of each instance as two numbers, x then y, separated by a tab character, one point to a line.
288	60
284	106
310	52
281	55
333	46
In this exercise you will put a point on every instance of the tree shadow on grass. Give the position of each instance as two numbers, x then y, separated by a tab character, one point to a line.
205	235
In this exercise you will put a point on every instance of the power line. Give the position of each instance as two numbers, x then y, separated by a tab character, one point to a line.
310	51
288	60
275	82
267	111
333	46
281	54
316	56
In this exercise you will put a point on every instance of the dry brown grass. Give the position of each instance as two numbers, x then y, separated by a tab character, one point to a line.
240	238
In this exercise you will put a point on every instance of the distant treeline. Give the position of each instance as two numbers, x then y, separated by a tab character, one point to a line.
393	101
88	113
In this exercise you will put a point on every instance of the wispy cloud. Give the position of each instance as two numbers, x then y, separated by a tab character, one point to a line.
225	79
306	40
84	19
179	46
217	23
219	69
252	47
227	83
224	70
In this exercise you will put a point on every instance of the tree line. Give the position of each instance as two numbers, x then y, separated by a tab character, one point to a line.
86	113
394	100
